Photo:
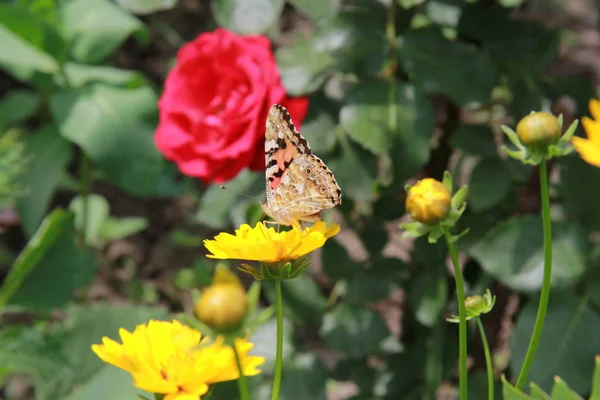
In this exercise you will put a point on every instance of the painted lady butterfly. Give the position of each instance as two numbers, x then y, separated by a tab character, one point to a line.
299	184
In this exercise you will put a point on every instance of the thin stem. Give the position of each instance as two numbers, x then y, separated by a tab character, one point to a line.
488	360
545	295
84	191
462	316
241	381
279	350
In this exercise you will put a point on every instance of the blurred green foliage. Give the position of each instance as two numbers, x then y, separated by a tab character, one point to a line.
398	90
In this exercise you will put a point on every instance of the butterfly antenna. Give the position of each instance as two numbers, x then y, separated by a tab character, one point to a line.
242	194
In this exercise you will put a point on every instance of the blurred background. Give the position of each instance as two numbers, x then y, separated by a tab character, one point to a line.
110	181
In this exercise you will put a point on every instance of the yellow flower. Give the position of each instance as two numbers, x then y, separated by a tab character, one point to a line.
174	360
428	201
589	149
268	245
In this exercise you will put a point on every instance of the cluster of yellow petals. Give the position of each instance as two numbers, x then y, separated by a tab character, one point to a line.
589	149
428	201
267	245
173	359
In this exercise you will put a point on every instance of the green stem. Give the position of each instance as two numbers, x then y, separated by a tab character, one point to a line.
84	191
545	295
462	316
279	350
488	360
158	396
241	381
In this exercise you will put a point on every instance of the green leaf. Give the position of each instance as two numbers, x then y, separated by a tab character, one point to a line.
304	66
87	325
439	65
305	378
336	261
317	9
319	127
561	391
50	267
355	331
29	351
247	16
477	140
302	299
520	45
95	28
48	154
596	381
28	45
114	128
490	184
80	75
109	383
570	338
513	253
427	294
579	195
537	393
46	10
144	7
98	211
509	392
16	106
355	170
113	229
217	203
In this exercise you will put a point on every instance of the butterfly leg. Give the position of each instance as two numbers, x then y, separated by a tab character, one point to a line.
272	223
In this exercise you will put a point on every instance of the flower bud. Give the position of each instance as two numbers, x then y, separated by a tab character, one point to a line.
539	129
475	304
222	306
428	201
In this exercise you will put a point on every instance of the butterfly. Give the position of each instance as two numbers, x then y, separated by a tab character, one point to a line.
299	185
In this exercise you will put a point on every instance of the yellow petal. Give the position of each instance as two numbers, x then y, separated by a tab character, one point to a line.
594	106
588	150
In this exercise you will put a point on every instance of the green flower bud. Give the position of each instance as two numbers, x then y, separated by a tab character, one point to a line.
222	306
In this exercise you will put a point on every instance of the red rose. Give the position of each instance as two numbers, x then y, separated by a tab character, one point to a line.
215	103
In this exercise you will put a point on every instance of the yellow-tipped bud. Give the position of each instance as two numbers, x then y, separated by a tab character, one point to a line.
539	129
428	201
222	307
224	304
475	304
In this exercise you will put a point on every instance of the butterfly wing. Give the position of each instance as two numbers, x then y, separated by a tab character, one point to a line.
283	144
298	184
307	188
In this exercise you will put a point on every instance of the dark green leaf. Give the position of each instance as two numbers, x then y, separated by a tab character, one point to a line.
477	140
569	340
320	125
369	286
95	28
46	10
50	268
439	65
217	203
355	170
428	296
28	44
355	331
579	195
305	378
317	9
247	16
16	106
513	253
490	184
537	393
98	210
47	154
524	46
337	263
143	7
302	298
114	128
